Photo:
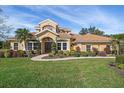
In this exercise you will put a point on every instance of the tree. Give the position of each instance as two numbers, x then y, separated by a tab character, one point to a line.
118	40
4	44
92	30
23	35
4	27
118	36
115	48
83	31
54	48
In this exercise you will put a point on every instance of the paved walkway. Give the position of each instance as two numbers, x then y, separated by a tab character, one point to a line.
39	58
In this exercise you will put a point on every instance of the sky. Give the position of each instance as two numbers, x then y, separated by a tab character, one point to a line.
109	19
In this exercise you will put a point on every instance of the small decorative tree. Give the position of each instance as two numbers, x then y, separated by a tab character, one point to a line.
78	49
95	50
54	48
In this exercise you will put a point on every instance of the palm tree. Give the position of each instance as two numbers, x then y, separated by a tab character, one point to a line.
23	35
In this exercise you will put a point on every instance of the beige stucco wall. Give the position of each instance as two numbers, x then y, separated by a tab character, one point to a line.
21	46
100	47
42	24
68	44
47	34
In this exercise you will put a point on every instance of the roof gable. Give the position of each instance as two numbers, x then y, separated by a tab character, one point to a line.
48	20
46	30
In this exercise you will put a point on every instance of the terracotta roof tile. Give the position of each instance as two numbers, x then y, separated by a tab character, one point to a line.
64	35
91	38
33	33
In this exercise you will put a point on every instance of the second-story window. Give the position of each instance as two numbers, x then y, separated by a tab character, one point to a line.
48	27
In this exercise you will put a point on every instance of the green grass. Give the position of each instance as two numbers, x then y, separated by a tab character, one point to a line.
22	72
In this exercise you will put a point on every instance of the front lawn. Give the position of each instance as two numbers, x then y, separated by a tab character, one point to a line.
22	72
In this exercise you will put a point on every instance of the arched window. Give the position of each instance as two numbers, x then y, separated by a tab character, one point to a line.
47	39
48	27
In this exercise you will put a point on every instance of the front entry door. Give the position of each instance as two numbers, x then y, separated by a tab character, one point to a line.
48	47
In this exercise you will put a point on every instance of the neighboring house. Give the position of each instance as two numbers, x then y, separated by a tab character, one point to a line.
49	31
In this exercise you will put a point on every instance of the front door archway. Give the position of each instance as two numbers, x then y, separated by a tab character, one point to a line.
47	42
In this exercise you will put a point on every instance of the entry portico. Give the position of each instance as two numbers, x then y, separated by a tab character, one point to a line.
49	32
46	38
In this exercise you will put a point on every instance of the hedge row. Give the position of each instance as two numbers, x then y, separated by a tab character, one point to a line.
18	53
77	54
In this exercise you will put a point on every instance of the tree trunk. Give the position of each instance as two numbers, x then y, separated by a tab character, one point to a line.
118	49
26	50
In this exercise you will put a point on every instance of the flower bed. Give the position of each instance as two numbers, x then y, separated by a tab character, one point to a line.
18	53
64	54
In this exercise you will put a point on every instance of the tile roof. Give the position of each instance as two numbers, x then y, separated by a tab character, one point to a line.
91	38
64	35
79	38
33	33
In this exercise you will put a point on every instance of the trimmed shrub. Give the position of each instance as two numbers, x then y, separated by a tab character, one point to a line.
38	52
77	54
102	53
51	55
91	54
120	59
14	54
78	49
54	48
107	50
66	53
30	53
72	53
11	52
95	50
121	66
85	54
60	54
7	54
20	53
1	54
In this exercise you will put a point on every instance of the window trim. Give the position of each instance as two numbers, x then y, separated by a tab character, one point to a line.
30	48
90	47
33	45
62	46
16	46
59	46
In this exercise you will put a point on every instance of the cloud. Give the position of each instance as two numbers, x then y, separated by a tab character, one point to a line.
20	19
79	16
85	16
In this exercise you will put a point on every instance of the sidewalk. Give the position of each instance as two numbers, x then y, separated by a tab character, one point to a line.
39	58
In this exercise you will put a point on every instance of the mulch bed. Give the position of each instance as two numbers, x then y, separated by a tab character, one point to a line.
118	70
